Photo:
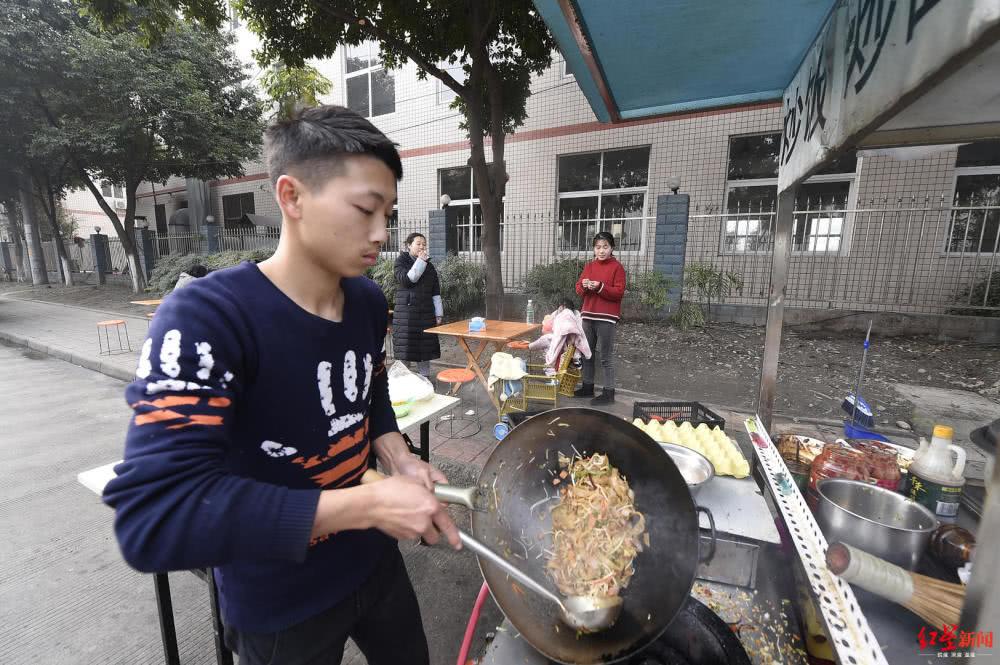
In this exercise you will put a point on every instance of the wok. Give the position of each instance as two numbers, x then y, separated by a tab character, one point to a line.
515	482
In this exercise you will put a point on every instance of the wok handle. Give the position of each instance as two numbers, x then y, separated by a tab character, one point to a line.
462	496
711	526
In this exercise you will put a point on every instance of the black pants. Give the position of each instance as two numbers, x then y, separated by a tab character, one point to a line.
382	617
601	337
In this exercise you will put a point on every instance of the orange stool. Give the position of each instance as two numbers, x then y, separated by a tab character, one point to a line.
458	377
118	324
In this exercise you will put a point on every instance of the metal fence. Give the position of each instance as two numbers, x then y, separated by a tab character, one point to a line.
530	240
917	256
256	238
188	243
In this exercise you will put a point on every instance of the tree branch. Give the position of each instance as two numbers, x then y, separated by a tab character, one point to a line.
369	26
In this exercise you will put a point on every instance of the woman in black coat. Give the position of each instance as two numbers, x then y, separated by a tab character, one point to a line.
418	306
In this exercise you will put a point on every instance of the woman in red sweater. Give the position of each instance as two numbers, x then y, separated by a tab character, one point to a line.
602	285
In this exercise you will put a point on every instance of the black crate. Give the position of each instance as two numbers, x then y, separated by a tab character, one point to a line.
518	417
679	412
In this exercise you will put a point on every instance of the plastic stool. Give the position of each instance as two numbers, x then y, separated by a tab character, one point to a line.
457	378
118	325
520	345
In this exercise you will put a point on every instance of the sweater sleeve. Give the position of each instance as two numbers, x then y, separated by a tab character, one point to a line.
615	289
381	417
176	505
579	281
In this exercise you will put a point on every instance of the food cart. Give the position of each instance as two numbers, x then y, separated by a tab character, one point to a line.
849	74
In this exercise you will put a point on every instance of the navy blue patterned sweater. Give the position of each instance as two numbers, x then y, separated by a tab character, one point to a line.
245	407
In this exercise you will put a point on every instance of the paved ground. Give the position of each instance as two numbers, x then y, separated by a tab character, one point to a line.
67	597
718	364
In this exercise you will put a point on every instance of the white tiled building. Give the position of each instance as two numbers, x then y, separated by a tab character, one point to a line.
563	164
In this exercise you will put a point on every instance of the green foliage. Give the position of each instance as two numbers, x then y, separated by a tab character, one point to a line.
294	88
977	295
382	274
463	287
548	283
688	315
498	46
709	283
648	291
168	268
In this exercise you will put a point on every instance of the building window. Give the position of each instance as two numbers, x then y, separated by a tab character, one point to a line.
822	202
113	194
394	242
464	217
603	191
446	95
371	90
566	73
234	207
975	222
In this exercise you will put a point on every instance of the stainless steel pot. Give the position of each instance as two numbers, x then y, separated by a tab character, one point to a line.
694	466
877	520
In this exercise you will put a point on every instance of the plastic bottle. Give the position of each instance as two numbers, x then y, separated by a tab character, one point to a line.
935	480
530	318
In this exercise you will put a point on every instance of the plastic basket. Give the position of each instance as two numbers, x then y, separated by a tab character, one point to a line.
679	412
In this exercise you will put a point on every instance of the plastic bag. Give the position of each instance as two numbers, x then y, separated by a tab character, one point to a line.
405	386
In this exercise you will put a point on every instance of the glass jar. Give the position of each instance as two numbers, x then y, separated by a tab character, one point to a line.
883	467
836	461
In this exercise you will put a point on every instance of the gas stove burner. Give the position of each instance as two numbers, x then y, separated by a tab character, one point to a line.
696	636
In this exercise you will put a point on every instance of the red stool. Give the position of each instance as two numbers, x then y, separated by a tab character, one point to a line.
520	345
458	377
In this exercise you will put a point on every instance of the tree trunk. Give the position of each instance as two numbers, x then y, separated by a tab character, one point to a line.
52	212
36	259
126	231
15	233
492	210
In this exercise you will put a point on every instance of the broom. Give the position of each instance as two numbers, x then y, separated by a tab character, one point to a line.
937	602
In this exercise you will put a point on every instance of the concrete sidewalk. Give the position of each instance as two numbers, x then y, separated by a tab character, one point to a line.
70	333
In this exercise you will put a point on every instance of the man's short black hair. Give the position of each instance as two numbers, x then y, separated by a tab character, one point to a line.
311	145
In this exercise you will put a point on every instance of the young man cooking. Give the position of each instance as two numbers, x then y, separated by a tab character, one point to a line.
260	394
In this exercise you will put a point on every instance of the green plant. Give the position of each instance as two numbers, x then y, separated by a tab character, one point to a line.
382	274
548	283
688	315
985	293
168	268
710	283
648	291
463	286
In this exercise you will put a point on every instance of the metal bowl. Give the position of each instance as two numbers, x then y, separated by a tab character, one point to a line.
877	520
694	466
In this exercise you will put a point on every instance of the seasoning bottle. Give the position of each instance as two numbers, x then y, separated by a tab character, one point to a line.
883	467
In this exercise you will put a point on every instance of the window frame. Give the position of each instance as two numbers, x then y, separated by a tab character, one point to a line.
367	72
960	171
114	200
471	202
600	193
240	196
847	230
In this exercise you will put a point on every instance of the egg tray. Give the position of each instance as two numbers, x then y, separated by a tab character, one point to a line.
680	412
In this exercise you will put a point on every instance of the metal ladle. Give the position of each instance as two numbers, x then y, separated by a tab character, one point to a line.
587	614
